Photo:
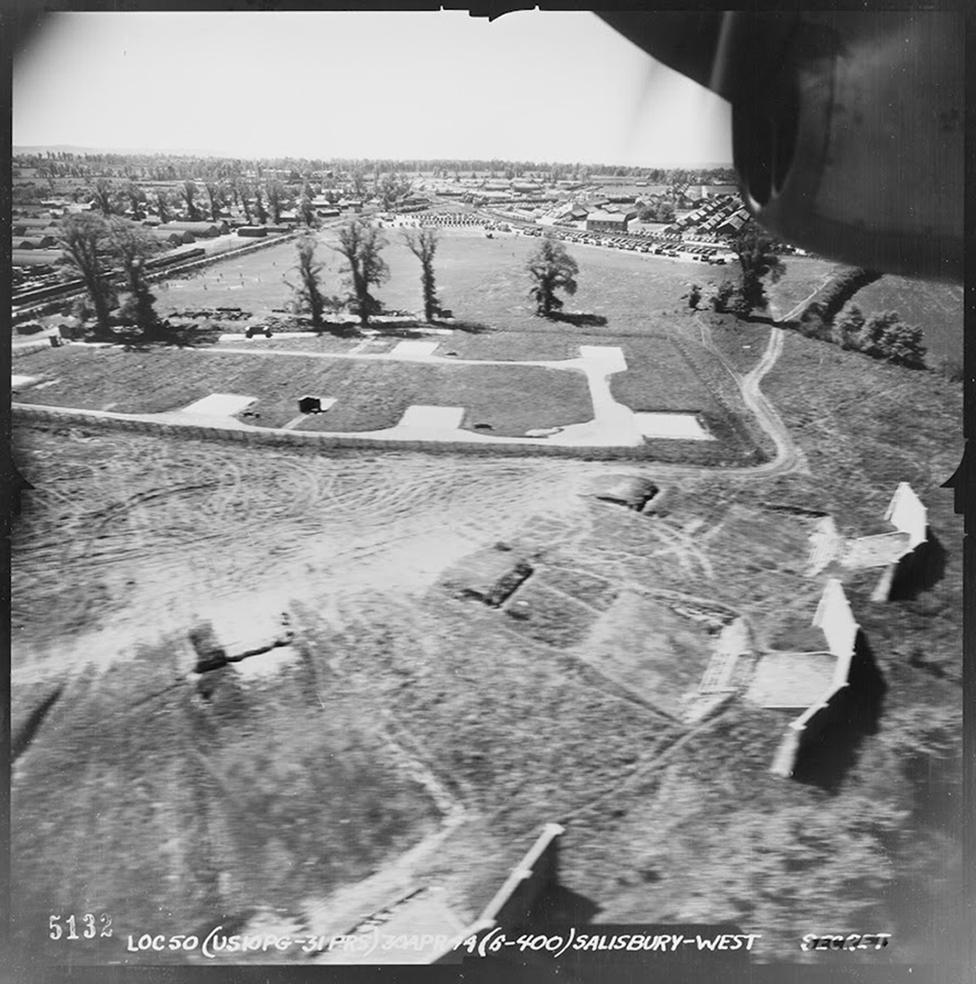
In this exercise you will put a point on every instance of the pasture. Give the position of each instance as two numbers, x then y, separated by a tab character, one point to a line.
481	280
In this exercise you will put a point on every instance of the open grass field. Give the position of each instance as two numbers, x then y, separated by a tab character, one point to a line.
659	376
662	374
528	722
481	280
804	275
318	344
896	424
371	396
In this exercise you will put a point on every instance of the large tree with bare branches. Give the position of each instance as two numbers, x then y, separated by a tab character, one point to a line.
102	193
87	245
423	245
216	199
276	194
259	210
309	288
137	200
189	196
133	246
163	204
360	243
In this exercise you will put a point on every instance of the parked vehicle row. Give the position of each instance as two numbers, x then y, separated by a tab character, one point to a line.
639	243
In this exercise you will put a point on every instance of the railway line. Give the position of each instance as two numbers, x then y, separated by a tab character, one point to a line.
30	301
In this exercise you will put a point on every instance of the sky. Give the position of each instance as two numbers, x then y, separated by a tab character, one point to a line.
531	85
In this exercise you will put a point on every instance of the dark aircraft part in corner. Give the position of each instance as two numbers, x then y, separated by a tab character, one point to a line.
847	126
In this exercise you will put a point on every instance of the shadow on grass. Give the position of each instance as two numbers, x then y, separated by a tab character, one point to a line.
920	570
853	714
579	319
418	328
344	329
471	327
560	906
168	336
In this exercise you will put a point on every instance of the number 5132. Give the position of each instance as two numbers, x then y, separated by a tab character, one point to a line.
83	927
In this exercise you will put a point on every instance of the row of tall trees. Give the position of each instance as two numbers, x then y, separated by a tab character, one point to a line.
260	201
360	244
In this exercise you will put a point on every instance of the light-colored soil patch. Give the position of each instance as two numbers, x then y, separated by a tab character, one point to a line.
440	419
657	653
265	665
414	350
606	359
219	405
685	426
791	680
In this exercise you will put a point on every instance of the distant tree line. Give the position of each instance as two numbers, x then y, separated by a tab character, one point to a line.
178	167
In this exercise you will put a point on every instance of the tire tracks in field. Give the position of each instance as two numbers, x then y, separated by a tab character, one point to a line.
788	457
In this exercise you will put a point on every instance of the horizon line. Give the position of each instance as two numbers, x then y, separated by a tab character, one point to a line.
78	148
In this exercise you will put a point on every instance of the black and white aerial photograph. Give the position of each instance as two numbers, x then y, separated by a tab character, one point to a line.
486	495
